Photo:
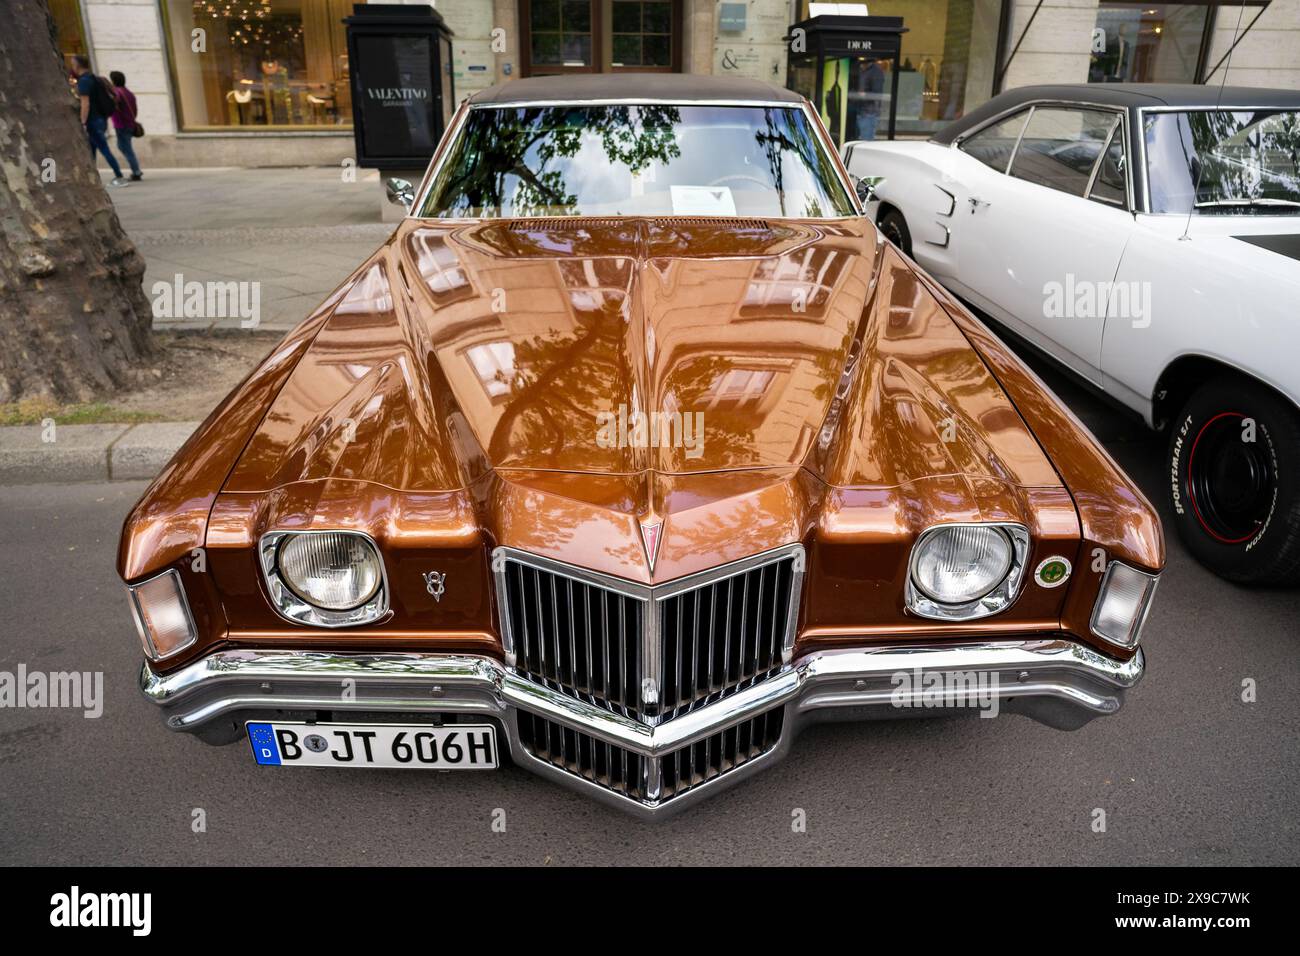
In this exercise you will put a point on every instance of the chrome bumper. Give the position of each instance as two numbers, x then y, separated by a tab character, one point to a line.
1057	682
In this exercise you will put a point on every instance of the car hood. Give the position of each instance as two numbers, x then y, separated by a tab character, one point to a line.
619	347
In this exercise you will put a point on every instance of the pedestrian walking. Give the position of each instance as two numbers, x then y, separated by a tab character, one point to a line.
125	124
97	105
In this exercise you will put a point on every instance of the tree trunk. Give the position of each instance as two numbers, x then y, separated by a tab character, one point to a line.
74	319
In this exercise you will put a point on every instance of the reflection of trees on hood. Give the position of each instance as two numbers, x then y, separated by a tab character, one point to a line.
508	156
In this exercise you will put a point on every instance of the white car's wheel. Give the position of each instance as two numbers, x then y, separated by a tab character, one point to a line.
894	228
1234	471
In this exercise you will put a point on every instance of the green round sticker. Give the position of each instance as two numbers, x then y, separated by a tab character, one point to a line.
1052	571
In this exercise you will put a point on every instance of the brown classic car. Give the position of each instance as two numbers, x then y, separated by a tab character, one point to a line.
634	450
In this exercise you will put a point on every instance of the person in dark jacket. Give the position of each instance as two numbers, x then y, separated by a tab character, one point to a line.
97	105
124	122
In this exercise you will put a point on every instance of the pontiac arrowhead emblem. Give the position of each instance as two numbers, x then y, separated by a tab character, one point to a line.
650	534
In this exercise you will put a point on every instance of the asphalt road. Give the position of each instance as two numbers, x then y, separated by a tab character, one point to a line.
1187	773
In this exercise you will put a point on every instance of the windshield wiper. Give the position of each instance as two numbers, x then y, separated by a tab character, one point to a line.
1247	203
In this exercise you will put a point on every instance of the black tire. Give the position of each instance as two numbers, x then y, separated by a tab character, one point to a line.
894	227
1236	501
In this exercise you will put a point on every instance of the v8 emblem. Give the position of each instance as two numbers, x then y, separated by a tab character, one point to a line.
435	583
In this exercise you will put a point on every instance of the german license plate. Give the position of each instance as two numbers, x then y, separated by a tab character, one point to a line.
420	746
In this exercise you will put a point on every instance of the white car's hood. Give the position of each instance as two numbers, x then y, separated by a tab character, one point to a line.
1271	242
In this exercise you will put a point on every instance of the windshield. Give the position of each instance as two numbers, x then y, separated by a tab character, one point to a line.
647	160
1222	161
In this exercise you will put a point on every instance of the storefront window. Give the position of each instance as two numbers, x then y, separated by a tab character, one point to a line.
855	97
1147	42
259	64
72	33
946	66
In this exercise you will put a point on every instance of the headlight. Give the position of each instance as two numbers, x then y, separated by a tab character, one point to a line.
1122	604
956	565
333	571
326	578
162	615
961	572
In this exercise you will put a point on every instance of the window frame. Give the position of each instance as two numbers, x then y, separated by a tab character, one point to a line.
1116	127
458	122
1123	112
600	32
995	121
1143	111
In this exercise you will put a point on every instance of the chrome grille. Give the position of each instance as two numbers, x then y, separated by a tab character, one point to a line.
648	653
650	779
575	637
724	636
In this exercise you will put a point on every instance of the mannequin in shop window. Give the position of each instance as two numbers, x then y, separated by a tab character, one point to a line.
279	96
871	86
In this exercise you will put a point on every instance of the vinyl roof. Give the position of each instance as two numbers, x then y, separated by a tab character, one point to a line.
1127	95
674	87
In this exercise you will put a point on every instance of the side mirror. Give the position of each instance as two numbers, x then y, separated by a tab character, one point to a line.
865	187
400	192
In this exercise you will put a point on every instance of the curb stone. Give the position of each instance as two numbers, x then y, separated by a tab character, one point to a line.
88	452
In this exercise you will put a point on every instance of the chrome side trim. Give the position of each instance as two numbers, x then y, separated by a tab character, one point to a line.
633	101
947	236
1046	101
431	174
1054	680
952	202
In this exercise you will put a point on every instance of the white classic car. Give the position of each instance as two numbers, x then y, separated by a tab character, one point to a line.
1147	238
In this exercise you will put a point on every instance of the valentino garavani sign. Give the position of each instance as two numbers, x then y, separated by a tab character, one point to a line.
399	58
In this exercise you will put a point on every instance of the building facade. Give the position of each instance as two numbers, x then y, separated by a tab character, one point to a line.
265	82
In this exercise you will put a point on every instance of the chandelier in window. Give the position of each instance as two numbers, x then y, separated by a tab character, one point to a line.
246	20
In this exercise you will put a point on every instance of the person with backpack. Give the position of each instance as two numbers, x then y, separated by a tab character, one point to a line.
97	105
125	125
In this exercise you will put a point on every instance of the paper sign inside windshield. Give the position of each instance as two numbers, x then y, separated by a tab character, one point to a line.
703	201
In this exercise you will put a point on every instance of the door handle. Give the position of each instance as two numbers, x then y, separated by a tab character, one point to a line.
975	203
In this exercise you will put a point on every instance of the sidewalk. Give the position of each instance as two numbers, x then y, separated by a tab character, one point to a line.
297	232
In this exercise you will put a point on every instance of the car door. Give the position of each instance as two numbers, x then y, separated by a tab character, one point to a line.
1040	244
